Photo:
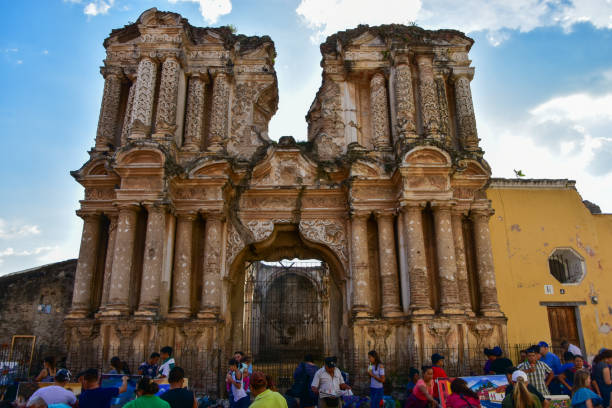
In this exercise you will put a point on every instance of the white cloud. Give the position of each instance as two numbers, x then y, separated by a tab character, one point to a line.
330	16
494	17
211	10
98	7
564	137
45	52
14	230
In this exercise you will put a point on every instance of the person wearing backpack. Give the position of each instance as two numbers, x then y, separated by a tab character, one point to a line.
302	378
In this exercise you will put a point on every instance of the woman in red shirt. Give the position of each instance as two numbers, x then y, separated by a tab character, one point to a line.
422	395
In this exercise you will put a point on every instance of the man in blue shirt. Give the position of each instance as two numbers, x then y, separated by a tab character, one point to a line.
550	358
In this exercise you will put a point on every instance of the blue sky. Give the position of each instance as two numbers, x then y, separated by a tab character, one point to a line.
542	91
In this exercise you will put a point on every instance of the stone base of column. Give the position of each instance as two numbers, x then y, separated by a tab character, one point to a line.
208	313
360	313
145	313
79	314
421	310
392	312
190	147
179	313
493	312
215	147
113	311
452	310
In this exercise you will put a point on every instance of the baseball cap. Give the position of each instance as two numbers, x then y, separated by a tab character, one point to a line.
543	344
62	375
436	357
519	374
330	362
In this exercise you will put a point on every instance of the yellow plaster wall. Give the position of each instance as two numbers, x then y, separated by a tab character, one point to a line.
527	226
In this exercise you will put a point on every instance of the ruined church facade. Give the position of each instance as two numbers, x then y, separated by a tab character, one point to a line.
184	189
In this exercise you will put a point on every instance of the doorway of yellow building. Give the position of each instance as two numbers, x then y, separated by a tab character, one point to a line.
564	323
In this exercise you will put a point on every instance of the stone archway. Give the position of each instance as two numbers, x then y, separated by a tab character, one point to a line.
328	295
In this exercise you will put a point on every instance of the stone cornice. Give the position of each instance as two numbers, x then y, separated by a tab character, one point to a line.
527	184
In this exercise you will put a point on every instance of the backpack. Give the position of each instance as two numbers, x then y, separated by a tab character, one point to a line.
301	385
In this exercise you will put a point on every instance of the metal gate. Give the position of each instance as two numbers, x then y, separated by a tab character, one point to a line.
286	309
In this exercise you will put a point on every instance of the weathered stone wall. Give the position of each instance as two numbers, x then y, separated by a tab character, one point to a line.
23	293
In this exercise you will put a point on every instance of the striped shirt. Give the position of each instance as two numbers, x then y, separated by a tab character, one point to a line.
537	378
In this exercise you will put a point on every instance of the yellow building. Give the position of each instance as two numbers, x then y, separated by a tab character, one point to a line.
553	262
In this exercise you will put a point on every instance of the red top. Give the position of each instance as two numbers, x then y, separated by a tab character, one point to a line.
438	372
455	401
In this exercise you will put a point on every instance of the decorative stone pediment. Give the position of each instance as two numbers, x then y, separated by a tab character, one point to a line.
213	169
427	156
365	169
284	168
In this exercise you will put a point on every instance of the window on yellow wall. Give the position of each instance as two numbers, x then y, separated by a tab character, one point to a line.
566	265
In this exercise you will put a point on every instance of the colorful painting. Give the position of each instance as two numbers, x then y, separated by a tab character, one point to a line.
491	389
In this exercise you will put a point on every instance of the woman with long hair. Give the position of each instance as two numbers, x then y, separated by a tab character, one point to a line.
583	396
422	395
376	371
521	397
146	391
462	396
602	375
47	374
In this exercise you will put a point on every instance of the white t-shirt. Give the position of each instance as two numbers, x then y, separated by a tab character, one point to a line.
238	392
54	394
166	366
328	386
574	350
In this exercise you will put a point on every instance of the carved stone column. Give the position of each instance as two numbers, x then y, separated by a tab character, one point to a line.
462	273
194	125
211	290
360	266
123	258
153	261
484	263
429	97
447	265
109	111
404	103
165	121
443	109
380	114
86	267
181	274
466	119
388	265
420	290
127	118
219	112
142	110
108	262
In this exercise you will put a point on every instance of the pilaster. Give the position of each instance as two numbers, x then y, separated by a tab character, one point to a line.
429	98
109	111
211	289
462	272
404	103
194	124
181	274
466	119
219	112
388	265
142	110
360	265
165	121
379	112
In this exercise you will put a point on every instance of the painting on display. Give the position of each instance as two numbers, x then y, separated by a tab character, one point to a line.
491	389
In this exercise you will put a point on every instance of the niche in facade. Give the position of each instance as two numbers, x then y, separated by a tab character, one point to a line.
566	265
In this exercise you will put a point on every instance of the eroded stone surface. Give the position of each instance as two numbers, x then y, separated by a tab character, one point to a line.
198	190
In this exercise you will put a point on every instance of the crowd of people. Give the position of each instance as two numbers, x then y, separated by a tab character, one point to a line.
539	374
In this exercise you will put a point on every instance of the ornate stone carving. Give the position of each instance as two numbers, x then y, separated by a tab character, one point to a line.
482	332
127	118
99	194
328	232
219	112
379	112
234	244
167	100
142	110
109	111
261	229
244	138
429	97
379	334
404	103
160	38
468	135
194	124
443	109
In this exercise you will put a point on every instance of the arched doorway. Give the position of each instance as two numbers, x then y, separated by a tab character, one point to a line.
287	299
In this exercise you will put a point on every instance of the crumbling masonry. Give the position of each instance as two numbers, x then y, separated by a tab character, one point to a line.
184	187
